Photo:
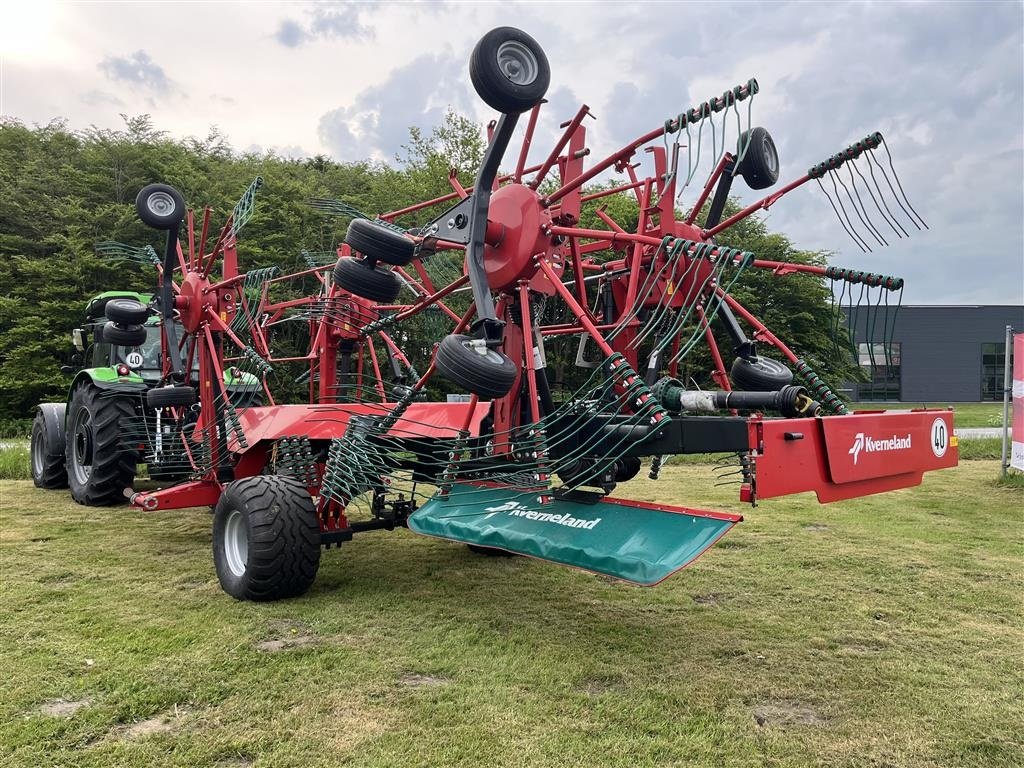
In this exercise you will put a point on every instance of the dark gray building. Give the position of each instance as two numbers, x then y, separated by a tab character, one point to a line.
926	354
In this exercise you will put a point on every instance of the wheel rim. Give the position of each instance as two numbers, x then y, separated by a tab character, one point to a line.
517	62
768	365
82	447
489	354
160	204
236	543
37	454
771	157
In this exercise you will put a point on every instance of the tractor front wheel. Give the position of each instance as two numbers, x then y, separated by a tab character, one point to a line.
47	459
99	465
266	538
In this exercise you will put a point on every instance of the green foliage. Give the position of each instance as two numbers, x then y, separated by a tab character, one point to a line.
62	191
15	428
14	463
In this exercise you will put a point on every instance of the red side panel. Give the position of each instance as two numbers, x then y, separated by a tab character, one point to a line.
842	457
322	422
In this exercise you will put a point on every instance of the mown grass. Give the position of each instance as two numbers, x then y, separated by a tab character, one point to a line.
980	448
880	631
965	414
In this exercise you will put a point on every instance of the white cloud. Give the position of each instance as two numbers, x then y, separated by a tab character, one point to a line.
942	81
138	70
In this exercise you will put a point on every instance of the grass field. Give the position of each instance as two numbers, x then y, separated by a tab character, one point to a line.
885	631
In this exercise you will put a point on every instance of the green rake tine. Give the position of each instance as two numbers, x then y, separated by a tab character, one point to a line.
337	208
116	251
314	259
243	209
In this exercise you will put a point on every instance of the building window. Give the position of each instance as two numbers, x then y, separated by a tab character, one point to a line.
881	362
993	367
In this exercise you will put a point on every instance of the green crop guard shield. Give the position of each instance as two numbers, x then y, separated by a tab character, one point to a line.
633	541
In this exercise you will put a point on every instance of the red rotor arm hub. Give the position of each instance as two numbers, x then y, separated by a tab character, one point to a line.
198	296
515	237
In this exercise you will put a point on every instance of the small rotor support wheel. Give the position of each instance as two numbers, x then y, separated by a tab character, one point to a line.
160	206
471	364
370	282
509	70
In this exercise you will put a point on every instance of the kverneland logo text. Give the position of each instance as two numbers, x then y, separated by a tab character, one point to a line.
517	509
869	444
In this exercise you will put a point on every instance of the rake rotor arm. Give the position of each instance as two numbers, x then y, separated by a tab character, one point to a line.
760	329
167	304
742	346
727	158
763	204
471	213
725	175
714	105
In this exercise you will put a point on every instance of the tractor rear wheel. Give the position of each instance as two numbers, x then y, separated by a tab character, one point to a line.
266	538
48	469
99	465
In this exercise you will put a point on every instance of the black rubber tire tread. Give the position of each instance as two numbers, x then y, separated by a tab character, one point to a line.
627	468
170	397
759	374
479	375
376	284
124	335
491	84
378	242
113	465
760	165
154	220
490	551
284	538
126	311
52	473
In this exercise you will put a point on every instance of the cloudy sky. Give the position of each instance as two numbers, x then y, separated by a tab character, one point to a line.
942	81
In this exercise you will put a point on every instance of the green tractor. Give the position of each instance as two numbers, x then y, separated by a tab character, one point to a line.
117	415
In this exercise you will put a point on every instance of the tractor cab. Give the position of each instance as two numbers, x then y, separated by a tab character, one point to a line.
101	353
143	359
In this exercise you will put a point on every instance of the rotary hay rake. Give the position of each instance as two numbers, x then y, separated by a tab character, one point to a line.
498	274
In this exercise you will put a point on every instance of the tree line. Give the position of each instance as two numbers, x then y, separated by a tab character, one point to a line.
62	191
